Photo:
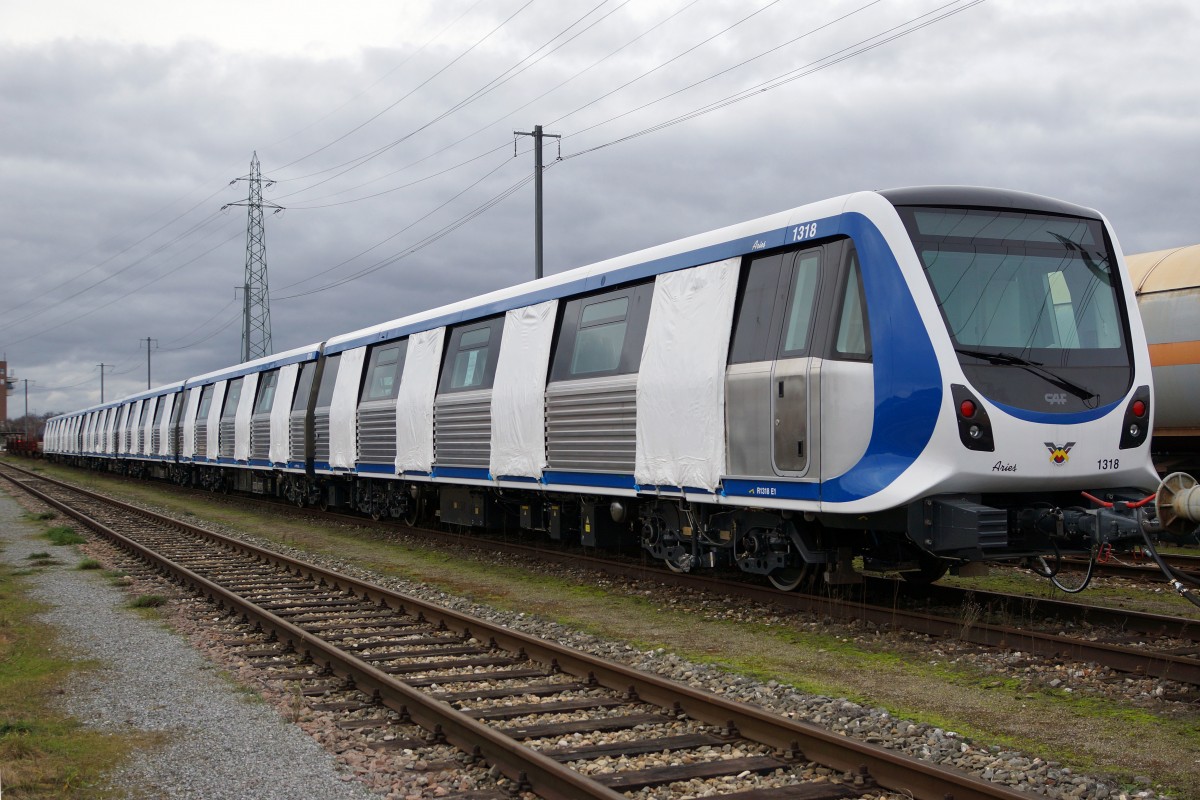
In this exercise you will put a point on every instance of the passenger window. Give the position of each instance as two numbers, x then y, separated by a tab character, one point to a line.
601	337
205	401
266	391
233	394
304	386
384	370
602	334
160	409
471	354
328	379
852	341
801	301
470	362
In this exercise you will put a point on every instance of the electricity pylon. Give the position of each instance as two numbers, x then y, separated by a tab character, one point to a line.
256	301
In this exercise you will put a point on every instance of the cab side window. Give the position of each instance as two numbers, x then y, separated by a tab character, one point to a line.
853	341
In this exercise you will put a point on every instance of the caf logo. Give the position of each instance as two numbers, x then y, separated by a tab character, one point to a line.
1058	452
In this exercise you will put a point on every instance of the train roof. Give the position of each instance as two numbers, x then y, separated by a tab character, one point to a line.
692	251
1168	270
306	353
984	197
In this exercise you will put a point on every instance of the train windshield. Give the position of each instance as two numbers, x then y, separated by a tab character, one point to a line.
1031	301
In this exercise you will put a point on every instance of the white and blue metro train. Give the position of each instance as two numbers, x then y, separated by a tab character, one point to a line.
926	378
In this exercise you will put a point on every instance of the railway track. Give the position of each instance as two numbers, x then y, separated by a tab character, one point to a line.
505	697
1136	643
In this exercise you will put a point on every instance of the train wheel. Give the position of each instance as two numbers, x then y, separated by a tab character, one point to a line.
931	570
789	579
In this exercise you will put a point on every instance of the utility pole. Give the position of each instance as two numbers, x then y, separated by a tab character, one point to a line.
256	310
102	366
537	135
27	408
147	340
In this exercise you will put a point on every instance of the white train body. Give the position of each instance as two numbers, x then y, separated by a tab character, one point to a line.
897	374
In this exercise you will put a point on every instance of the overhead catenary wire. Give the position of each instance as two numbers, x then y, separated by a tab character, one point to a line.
846	53
485	126
407	95
862	46
482	91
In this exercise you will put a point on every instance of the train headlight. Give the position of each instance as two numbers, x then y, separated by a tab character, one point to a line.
1136	426
974	426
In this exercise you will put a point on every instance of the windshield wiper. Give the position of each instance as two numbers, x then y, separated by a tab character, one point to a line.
1036	367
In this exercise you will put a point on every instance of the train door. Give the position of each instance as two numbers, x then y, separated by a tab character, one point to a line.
773	380
795	374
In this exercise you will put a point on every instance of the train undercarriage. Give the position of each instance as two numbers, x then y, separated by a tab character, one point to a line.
791	549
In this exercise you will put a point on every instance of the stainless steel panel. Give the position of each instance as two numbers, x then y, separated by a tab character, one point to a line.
793	437
296	434
228	432
321	435
748	420
377	432
260	436
155	441
201	439
462	429
591	424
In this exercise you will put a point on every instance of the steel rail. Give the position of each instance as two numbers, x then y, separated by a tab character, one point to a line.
888	768
543	775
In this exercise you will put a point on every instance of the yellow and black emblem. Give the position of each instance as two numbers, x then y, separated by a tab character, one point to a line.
1058	452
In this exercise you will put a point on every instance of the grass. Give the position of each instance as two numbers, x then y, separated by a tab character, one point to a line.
147	601
89	563
63	535
43	753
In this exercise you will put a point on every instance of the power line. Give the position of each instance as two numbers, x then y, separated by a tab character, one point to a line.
852	51
488	125
407	95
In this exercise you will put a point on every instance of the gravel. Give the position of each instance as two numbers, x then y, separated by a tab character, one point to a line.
216	744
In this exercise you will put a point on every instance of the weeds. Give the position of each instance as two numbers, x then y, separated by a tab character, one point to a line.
89	563
147	601
62	535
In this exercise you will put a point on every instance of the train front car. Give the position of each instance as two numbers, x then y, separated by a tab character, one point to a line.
1041	442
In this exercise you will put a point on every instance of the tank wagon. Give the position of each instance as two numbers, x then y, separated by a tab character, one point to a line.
921	378
1167	284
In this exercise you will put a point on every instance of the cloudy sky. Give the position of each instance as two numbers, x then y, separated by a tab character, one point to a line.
388	130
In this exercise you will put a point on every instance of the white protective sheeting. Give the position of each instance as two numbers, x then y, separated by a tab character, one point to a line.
131	426
214	419
681	380
151	403
187	448
519	392
414	402
241	420
281	414
164	425
343	410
